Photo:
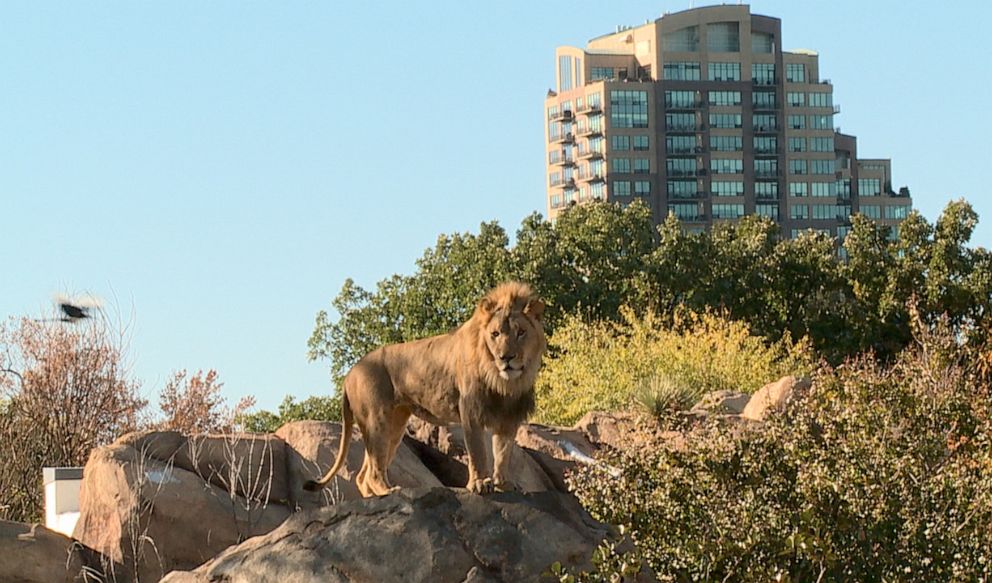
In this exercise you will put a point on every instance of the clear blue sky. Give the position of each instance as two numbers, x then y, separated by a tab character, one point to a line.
219	168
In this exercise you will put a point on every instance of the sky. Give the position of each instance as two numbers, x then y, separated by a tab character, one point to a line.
216	170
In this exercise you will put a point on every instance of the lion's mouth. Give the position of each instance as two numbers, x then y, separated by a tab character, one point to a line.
509	373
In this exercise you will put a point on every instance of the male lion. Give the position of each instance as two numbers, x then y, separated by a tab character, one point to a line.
480	375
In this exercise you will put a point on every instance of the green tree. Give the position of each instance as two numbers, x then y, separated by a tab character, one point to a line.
313	408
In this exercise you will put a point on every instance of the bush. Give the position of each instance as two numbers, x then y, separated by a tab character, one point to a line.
877	474
606	365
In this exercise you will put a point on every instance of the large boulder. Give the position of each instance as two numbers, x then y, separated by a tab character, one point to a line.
312	446
452	468
152	517
723	402
416	535
774	397
30	553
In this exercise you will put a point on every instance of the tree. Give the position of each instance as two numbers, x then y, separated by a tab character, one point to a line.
194	404
65	390
313	408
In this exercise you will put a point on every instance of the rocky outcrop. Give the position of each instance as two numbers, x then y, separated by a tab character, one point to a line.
774	397
723	402
425	535
30	553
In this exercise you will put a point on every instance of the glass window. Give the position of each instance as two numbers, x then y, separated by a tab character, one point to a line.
767	210
821	99
821	144
726	166
680	98
685	40
686	211
766	190
797	144
599	73
765	144
799	212
724	72
642	187
725	97
728	211
822	166
797	166
765	168
726	143
798	189
555	201
680	144
628	109
680	121
763	99
727	188
826	211
795	99
763	122
797	122
681	71
821	122
723	37
763	73
680	166
844	188
621	188
594	99
795	73
824	189
681	188
564	73
641	166
597	168
762	42
896	212
725	120
641	143
869	187
598	190
872	211
620	143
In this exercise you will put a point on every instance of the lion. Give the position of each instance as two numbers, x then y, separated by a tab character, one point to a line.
480	375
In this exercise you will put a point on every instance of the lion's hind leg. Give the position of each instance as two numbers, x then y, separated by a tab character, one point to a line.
380	449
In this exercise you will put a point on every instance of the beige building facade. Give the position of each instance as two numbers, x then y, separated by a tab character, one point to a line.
701	114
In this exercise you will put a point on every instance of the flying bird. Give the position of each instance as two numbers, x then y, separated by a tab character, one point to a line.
77	308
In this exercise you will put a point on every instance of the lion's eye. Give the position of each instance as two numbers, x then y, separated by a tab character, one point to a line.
496	334
521	332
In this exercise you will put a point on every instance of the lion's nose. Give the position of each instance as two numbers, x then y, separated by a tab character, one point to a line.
508	357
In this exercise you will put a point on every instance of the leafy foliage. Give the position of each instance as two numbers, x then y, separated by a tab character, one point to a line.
314	408
881	473
608	366
194	404
596	258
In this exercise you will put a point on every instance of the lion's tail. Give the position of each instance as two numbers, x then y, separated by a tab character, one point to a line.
345	441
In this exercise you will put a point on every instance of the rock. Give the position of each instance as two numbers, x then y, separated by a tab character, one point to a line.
415	535
774	397
311	447
250	465
30	553
152	517
556	450
526	473
722	402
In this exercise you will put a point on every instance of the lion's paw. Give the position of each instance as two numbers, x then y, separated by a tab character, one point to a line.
481	486
505	486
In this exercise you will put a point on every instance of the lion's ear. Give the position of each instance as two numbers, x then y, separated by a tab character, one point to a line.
487	305
535	308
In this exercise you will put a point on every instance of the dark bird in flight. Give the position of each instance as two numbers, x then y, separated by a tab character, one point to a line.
73	312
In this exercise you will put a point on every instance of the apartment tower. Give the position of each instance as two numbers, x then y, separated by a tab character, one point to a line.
701	114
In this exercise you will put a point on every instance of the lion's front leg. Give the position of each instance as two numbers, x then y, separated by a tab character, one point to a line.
479	468
503	440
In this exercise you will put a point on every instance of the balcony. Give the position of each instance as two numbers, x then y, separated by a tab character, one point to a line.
566	115
589	132
676	172
683	106
766	152
595	109
563	161
590	154
683	129
764	81
765	107
590	176
566	138
766	174
567	184
766	129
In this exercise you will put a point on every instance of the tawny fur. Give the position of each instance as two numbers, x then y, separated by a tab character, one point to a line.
481	375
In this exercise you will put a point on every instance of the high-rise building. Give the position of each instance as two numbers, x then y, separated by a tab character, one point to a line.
702	114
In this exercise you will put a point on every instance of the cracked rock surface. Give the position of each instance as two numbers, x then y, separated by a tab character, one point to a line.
419	534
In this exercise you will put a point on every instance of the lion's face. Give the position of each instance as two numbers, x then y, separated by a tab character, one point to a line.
515	340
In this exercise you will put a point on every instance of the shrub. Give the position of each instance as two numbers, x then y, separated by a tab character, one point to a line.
877	474
605	365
